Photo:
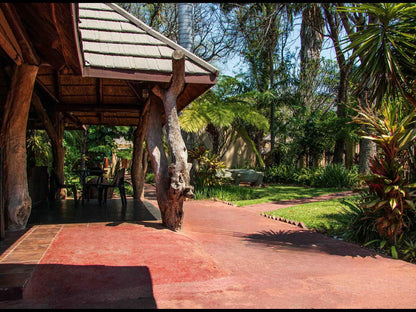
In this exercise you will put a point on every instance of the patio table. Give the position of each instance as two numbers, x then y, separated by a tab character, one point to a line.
89	172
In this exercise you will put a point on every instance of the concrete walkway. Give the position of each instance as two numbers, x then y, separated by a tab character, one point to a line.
224	257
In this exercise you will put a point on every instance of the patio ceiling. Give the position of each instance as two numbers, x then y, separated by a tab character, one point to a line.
98	62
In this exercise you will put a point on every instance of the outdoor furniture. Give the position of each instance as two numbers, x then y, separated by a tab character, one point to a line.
89	172
255	178
118	181
59	184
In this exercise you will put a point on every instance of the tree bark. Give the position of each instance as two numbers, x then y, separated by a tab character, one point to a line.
179	183
13	139
311	35
154	146
139	164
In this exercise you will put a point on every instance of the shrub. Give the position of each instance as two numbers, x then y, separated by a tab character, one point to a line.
209	166
335	176
150	178
391	198
328	176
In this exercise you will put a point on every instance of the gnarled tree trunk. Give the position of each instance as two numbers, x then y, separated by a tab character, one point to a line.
139	164
178	186
13	139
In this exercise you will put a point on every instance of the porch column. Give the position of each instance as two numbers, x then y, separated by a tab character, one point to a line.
13	140
139	164
178	187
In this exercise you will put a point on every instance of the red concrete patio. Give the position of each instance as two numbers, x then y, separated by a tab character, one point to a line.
225	257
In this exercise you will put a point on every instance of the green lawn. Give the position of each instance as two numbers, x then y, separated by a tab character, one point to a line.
278	192
242	196
324	216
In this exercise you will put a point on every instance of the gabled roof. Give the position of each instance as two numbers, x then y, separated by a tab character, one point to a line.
115	44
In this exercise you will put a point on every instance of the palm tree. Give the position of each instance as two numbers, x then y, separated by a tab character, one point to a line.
225	107
386	51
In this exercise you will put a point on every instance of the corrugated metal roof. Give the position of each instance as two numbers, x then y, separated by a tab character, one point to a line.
110	37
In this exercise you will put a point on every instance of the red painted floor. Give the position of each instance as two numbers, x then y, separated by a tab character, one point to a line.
224	257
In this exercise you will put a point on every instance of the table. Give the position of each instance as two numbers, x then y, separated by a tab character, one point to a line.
89	172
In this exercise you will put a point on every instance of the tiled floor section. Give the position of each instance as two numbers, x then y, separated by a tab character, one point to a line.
21	251
18	261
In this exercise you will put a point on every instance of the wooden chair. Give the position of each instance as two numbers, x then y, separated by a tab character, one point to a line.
118	181
59	184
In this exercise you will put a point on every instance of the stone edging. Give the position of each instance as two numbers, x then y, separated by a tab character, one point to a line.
299	224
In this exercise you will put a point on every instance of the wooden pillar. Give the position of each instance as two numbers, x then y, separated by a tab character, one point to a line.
172	193
58	151
154	146
139	163
55	131
13	140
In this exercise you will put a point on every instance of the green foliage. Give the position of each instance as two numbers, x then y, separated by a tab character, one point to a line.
325	216
329	176
335	176
391	198
209	167
225	192
385	47
360	227
39	151
150	178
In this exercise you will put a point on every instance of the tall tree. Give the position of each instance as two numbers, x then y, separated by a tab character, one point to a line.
333	21
311	38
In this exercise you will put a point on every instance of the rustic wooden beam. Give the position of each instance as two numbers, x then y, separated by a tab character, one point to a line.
43	116
139	163
179	186
13	140
8	41
63	22
75	120
94	108
28	52
99	91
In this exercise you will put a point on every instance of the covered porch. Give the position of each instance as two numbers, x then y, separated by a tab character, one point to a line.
68	65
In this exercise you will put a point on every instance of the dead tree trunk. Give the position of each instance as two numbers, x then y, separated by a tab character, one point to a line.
179	186
139	165
13	139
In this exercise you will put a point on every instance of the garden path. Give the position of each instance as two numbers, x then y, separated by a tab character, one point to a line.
224	257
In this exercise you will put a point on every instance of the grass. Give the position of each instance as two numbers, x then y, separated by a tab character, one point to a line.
324	216
242	196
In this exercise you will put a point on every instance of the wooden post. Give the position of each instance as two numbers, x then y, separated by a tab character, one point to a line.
13	140
139	164
154	146
179	186
58	154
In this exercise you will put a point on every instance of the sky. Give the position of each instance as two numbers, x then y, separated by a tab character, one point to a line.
231	67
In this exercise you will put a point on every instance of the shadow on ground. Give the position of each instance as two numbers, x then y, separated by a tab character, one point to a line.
88	286
307	240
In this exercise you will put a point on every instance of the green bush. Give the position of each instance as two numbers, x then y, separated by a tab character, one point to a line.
150	178
335	176
328	176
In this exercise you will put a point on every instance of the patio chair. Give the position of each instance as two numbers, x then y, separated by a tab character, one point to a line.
59	184
118	181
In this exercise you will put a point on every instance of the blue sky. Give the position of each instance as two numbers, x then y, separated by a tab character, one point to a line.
231	66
